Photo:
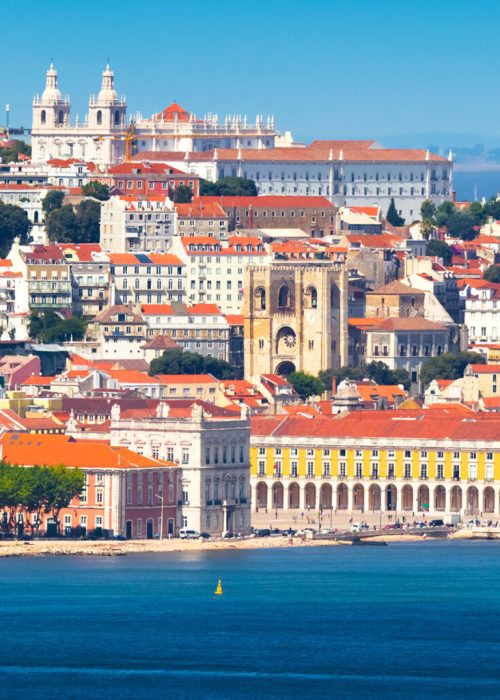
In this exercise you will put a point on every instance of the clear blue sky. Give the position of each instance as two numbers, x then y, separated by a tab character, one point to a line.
325	68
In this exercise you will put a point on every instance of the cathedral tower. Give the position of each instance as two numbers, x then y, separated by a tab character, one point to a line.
51	111
107	111
295	317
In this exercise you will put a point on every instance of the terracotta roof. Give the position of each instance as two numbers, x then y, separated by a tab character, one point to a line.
50	450
204	310
485	369
161	342
173	112
382	240
413	425
266	201
235	319
408	324
145	259
37	380
106	316
128	376
157	309
199	209
396	288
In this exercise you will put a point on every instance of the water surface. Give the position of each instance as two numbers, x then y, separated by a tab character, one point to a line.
403	621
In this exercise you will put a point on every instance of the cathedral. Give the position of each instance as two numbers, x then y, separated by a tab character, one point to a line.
106	137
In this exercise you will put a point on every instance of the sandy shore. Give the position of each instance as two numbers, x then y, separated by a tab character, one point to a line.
110	548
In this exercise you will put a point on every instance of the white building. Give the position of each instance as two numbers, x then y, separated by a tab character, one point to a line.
215	269
104	137
30	199
99	138
349	173
132	224
482	312
213	453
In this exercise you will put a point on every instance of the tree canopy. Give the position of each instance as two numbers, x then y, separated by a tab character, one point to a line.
181	195
10	153
96	189
305	384
492	274
67	224
52	200
13	222
439	249
48	327
379	372
229	186
392	215
179	362
450	365
36	491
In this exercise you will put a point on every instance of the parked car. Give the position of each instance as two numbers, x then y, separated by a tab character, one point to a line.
205	536
359	527
436	523
187	534
263	532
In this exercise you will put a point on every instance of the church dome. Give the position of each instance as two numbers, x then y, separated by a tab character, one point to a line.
51	92
107	93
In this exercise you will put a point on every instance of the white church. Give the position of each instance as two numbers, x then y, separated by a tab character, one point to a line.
106	137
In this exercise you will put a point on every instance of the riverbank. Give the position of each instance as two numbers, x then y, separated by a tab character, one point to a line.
41	548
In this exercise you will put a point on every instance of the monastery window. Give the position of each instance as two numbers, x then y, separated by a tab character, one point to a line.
60	117
116	117
43	116
242	454
99	117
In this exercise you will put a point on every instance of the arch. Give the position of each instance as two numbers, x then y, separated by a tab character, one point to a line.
286	341
374	497
311	300
284	297
278	494
325	496
391	497
440	498
116	117
35	217
294	495
456	499
423	497
260	299
149	529
60	117
342	497
358	497
285	368
407	497
489	500
261	494
43	116
310	494
98	117
472	499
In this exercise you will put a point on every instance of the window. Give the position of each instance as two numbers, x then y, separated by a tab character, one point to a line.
294	470
359	470
423	471
473	471
342	470
185	455
262	467
390	470
310	470
326	469
407	469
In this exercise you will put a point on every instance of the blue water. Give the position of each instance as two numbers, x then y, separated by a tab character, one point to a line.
468	185
403	621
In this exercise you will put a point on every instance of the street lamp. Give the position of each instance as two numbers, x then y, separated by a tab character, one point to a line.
161	514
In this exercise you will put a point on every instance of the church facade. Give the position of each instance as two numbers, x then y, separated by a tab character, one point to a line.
107	137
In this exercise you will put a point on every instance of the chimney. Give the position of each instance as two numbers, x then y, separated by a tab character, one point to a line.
334	385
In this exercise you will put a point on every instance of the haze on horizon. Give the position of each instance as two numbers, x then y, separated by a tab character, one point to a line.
329	69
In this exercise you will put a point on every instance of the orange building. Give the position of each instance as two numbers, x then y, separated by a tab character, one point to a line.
125	493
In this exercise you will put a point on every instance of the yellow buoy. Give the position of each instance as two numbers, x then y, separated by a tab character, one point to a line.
218	590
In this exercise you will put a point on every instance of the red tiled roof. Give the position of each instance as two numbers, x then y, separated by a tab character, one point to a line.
266	201
204	310
172	112
485	369
186	379
235	319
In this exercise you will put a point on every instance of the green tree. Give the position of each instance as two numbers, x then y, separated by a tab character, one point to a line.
14	223
49	327
9	154
229	187
380	373
97	190
179	362
61	225
443	213
181	195
439	249
492	208
450	365
305	384
428	211
52	200
461	225
80	225
492	274
63	484
88	216
478	212
392	215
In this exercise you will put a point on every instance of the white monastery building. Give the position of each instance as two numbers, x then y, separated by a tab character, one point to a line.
349	173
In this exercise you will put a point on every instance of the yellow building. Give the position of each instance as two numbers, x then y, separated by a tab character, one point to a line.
400	461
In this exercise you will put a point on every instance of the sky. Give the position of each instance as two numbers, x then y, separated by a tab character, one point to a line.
398	71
